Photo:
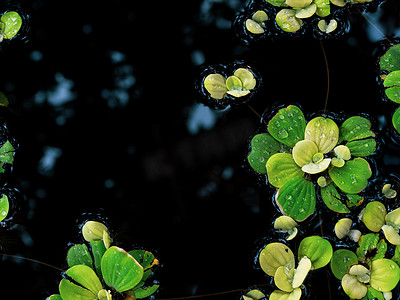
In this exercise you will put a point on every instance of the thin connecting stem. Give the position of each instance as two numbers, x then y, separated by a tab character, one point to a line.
32	260
374	26
257	114
328	79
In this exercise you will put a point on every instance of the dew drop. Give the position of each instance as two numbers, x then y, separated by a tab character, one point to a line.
281	117
283	133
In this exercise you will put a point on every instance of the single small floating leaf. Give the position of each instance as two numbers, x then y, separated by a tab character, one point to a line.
362	148
353	177
281	168
297	198
3	99
374	216
281	295
342	227
246	77
323	132
283	279
215	84
254	295
86	277
288	126
234	83
368	245
396	120
356	128
385	274
71	291
79	255
144	292
275	255
327	27
120	270
303	152
287	21
4	207
391	235
254	27
298	3
393	93
323	8
352	287
317	249
332	199
306	12
341	261
390	61
145	258
392	79
12	23
98	250
263	146
300	273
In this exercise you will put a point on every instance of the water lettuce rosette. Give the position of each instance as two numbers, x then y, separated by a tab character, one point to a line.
298	156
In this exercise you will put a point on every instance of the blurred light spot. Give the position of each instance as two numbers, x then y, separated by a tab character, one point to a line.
200	117
131	150
375	30
227	173
117	57
48	161
36	55
87	29
197	57
109	183
207	190
60	94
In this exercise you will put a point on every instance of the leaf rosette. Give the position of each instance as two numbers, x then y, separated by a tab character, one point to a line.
322	154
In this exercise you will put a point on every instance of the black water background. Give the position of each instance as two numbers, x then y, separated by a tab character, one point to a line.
187	196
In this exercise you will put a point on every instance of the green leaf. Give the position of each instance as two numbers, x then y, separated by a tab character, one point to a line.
303	152
120	270
341	260
374	216
246	77
234	83
362	148
287	21
331	198
396	256
275	255
71	291
370	248
7	153
79	255
215	84
144	292
317	249
283	279
355	128
373	294
390	61
288	125
276	2
396	120
4	207
297	198
393	93
86	277
3	99
98	250
353	177
12	23
323	8
385	274
263	146
353	287
392	79
143	257
323	132
281	168
354	200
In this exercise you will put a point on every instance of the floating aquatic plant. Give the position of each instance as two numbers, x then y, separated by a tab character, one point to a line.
10	24
121	271
296	155
362	275
277	260
257	22
390	64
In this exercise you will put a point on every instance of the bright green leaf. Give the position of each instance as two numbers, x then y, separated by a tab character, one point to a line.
373	294
120	270
98	250
352	287
283	279
281	295
353	177
370	247
317	249
362	148
287	21
385	274
303	152
234	83
215	84
281	168
79	255
263	146
396	120
355	128
288	125
71	291
7	153
246	77
55	297
86	277
276	2
144	292
393	93
297	198
341	260
392	79
331	198
143	257
12	23
323	8
390	61
4	207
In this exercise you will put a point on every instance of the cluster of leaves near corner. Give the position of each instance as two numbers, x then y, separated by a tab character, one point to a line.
6	156
238	85
10	24
121	271
278	261
296	156
366	274
290	18
390	63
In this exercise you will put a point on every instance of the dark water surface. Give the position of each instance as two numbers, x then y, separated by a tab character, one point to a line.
106	117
